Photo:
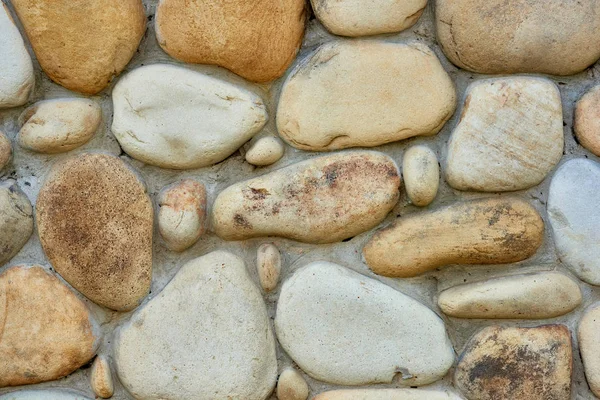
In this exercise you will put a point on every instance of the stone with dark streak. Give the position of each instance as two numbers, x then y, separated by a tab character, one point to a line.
16	220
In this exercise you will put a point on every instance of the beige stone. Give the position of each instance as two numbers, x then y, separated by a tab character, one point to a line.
256	40
588	335
421	173
532	296
56	126
101	378
268	264
509	137
587	120
5	150
504	37
291	386
487	231
16	220
46	331
389	92
82	45
361	18
95	226
182	214
44	395
321	200
517	364
265	151
387	394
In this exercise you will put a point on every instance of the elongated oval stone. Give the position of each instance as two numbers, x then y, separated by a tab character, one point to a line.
16	220
421	173
489	231
387	394
384	332
322	200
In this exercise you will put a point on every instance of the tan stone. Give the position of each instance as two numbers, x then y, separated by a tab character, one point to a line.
389	92
82	45
95	225
291	386
5	150
268	264
421	173
517	364
16	220
387	394
254	39
265	151
321	200
101	378
46	331
588	335
504	37
587	120
487	231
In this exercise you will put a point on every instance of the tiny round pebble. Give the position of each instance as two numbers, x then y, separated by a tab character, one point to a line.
291	386
421	175
5	150
101	378
268	262
265	151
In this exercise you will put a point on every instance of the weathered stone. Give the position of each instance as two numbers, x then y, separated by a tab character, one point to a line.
268	264
46	331
534	296
488	231
574	217
344	328
291	386
421	173
265	151
588	336
517	364
43	395
205	336
5	150
82	45
182	214
16	69
177	118
509	137
95	225
101	378
360	18
16	220
504	37
322	200
387	394
256	40
390	91
587	120
56	126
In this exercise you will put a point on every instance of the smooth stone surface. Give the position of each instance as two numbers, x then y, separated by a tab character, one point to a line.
16	70
265	151
182	214
387	394
56	126
421	173
531	296
343	328
82	46
389	92
95	225
506	37
205	336
517	364
362	18
509	137
5	150
268	264
574	217
173	117
101	378
291	386
321	200
43	395
588	335
587	120
46	331
256	40
16	220
487	231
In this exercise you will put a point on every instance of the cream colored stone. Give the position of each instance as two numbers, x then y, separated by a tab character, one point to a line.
182	214
268	264
587	120
265	151
388	394
56	126
421	173
16	220
509	137
532	296
291	386
372	17
5	150
83	46
488	231
321	200
389	92
101	378
588	335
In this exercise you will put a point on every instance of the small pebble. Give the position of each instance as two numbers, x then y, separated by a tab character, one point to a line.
265	151
101	378
291	386
421	173
16	220
5	150
268	263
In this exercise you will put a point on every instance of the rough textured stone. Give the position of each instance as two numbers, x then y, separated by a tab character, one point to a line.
588	335
361	18
182	214
390	91
205	336
101	378
517	364
291	386
16	69
344	328
265	151
44	395
387	394
268	264
5	150
322	200
488	231
421	173
587	120
509	137
56	126
535	296
177	118
95	225
256	40
46	331
16	220
574	217
82	45
504	37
